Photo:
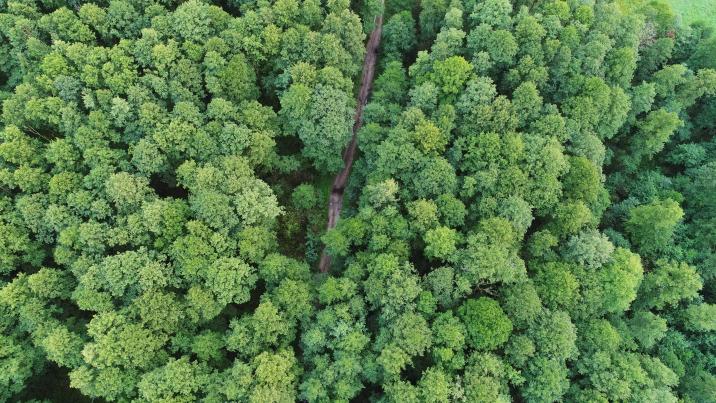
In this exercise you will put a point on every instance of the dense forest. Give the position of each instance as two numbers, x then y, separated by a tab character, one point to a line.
530	215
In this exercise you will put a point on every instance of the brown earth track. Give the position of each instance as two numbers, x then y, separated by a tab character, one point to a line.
335	202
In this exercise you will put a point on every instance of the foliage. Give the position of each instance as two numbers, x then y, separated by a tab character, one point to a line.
530	217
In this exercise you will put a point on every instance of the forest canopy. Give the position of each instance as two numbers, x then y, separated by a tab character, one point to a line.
530	213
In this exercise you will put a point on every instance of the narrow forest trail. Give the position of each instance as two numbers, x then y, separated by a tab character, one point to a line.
335	201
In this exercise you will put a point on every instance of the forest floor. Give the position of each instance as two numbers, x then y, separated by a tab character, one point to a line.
335	201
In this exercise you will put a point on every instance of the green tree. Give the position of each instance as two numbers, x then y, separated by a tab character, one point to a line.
440	243
667	284
486	324
651	226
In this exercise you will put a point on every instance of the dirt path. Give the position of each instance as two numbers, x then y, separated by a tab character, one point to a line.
335	202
